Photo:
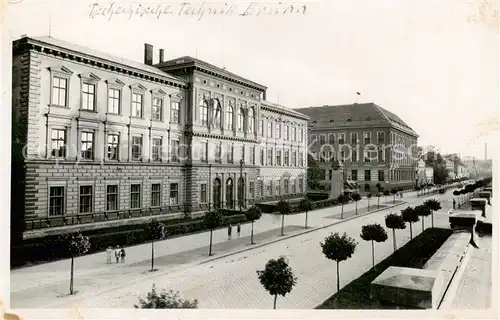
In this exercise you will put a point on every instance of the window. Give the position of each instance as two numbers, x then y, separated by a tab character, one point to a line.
251	120
294	187
59	91
203	193
287	158
251	189
58	143
241	119
269	129
218	152
285	186
354	175
157	149
301	185
381	176
252	155
113	146
88	96
354	156
137	110
261	127
367	175
294	158
242	152
294	134
270	188
87	142
269	157
287	134
230	153
367	156
156	195
381	137
229	117
85	199
204	152
111	197
175	110
56	201
157	112
217	114
322	139
203	113
354	138
380	154
174	194
278	130
331	138
174	152
367	137
330	173
301	157
136	148
278	157
262	157
114	97
301	137
278	187
135	196
341	138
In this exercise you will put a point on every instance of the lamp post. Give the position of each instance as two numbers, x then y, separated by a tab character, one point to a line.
240	184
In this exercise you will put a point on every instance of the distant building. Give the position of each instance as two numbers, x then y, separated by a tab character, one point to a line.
371	144
424	174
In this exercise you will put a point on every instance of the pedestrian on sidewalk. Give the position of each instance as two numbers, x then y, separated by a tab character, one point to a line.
454	203
117	254
238	230
229	230
108	255
122	254
401	194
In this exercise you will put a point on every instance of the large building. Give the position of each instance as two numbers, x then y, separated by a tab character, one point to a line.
371	144
97	138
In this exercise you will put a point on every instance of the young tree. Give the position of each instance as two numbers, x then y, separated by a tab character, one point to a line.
342	199
422	211
338	248
212	220
433	205
283	208
277	278
369	196
157	231
378	195
373	232
394	191
386	193
356	197
253	214
74	244
367	187
394	221
305	205
409	215
165	300
379	187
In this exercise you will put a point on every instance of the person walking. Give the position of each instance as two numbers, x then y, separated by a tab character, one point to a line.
108	255
229	231
117	254
238	230
122	254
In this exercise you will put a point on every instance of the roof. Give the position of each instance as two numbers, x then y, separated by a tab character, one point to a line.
277	107
104	56
185	61
354	114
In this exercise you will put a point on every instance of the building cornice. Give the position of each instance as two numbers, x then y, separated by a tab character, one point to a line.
220	137
27	44
284	112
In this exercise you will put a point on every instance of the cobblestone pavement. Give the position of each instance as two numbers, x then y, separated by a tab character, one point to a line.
231	282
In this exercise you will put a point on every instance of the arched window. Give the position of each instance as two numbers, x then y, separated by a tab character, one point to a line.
229	193
241	119
217	114
241	192
229	116
203	112
251	120
217	193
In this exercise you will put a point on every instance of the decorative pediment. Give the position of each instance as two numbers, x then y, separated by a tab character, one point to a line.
176	96
89	76
138	86
61	70
115	82
158	92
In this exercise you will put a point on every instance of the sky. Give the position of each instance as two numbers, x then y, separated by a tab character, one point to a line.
432	62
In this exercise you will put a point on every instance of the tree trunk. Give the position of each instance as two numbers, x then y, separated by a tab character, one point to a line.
423	223
342	212
356	208
251	235
71	276
394	198
368	205
432	219
373	255
411	236
378	202
152	254
306	219
394	239
210	246
338	278
282	224
275	298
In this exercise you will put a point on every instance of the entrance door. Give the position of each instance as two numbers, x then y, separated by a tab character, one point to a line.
217	193
229	193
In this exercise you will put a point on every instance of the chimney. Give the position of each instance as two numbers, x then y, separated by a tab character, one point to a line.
162	52
148	54
264	95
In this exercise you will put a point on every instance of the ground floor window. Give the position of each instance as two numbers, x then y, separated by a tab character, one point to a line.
354	175
301	186
111	197
367	175
381	175
251	190
85	199
156	195
285	186
203	193
174	194
135	196
56	201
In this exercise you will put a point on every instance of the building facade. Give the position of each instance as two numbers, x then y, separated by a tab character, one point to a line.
372	145
98	138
